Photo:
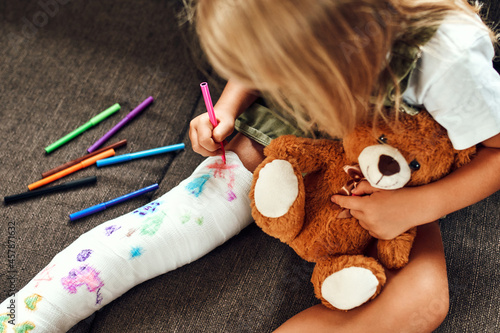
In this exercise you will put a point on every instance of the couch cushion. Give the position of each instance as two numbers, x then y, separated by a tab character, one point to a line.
63	64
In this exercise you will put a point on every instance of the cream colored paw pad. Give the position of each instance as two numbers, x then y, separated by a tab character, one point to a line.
349	287
276	189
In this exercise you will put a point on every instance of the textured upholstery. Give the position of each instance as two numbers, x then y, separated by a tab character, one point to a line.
62	64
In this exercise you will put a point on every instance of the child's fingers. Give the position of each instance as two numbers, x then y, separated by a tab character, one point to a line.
198	145
364	188
206	140
354	204
200	134
348	202
224	129
359	215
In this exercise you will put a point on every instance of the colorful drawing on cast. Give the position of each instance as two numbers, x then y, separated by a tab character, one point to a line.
44	275
152	224
195	187
136	252
24	327
230	195
217	170
187	217
110	229
147	209
130	232
32	301
98	297
220	171
4	318
84	255
86	276
20	328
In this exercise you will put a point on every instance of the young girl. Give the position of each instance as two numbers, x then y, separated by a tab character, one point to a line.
330	64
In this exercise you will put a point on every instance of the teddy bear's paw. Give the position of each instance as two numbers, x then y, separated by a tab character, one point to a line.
395	253
349	287
276	189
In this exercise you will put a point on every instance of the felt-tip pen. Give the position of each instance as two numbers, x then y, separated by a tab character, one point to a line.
92	122
66	186
139	154
211	113
121	123
83	164
66	165
102	206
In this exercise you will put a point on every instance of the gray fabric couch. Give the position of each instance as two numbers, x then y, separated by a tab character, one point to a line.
63	61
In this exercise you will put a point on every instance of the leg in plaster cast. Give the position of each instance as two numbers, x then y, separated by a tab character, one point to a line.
199	214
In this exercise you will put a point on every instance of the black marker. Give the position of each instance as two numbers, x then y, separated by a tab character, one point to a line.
65	186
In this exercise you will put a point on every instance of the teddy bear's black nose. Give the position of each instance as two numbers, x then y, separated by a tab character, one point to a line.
387	165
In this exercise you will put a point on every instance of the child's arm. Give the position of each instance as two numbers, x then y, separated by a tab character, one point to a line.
234	100
387	214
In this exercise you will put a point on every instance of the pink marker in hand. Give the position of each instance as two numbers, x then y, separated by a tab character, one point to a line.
211	113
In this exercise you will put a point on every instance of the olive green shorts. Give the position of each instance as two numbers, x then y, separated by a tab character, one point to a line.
262	124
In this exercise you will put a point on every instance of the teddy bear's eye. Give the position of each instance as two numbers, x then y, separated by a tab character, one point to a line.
414	165
382	139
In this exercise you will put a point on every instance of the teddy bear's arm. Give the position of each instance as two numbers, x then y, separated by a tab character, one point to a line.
309	154
277	198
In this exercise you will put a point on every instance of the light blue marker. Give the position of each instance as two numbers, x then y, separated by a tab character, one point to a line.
102	206
139	154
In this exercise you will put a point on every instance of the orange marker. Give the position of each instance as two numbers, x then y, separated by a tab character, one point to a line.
83	164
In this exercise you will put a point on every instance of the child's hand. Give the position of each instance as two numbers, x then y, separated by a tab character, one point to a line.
205	139
386	214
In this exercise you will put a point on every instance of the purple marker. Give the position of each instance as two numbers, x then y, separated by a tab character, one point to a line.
122	123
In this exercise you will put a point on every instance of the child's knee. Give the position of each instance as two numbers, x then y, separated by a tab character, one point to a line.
432	300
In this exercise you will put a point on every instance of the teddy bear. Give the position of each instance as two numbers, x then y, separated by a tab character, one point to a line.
292	187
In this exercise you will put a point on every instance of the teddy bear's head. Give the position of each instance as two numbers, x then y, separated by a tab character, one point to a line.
408	151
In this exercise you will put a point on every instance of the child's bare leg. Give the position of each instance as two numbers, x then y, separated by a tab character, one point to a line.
200	213
414	299
250	152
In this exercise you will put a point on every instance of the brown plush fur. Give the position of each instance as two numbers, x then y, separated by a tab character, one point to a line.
311	226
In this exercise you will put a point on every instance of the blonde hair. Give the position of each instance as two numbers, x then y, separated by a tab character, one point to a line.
323	60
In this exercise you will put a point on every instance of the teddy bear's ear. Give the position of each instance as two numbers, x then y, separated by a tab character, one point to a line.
463	157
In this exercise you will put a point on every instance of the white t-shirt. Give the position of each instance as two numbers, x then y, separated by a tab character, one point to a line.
456	82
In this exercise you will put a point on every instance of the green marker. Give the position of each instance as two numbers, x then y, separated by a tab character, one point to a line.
92	122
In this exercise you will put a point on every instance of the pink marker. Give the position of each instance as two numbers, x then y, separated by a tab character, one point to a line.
211	113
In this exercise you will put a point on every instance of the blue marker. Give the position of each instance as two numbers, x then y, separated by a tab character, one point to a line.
139	154
102	206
